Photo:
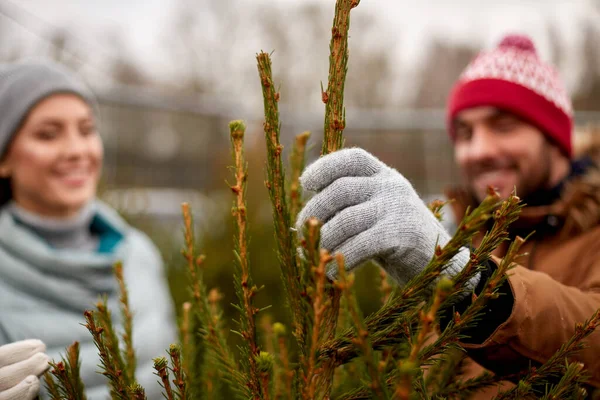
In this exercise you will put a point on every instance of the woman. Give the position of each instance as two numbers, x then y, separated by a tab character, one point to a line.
58	243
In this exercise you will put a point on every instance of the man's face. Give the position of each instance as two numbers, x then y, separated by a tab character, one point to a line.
496	148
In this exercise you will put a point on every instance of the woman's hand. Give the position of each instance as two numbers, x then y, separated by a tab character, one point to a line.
21	365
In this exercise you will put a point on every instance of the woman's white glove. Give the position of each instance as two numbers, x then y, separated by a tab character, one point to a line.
21	365
370	211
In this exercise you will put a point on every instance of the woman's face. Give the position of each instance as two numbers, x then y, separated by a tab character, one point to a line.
54	161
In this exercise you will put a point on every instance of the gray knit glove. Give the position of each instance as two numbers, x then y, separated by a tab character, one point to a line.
370	211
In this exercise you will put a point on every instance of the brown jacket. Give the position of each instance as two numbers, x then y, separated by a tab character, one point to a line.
556	285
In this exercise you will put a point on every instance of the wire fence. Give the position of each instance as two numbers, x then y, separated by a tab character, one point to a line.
154	140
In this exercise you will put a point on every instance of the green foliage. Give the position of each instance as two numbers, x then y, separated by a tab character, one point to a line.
333	349
68	384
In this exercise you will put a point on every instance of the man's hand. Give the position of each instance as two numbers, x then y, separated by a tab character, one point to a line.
21	365
370	211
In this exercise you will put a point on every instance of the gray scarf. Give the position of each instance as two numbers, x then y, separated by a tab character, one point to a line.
45	288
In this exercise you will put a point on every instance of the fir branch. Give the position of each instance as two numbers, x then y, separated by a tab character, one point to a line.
362	341
296	167
319	306
507	213
207	342
385	288
51	386
285	377
264	363
313	258
185	336
311	251
427	319
569	386
111	367
189	253
446	370
68	384
219	352
343	376
469	317
554	367
111	341
328	366
137	392
407	370
388	324
436	207
127	317
344	318
503	212
178	372
162	370
364	392
245	288
268	340
334	124
199	313
275	183
468	387
400	329
333	97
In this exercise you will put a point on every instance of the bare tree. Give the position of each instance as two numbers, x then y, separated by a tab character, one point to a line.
588	96
442	67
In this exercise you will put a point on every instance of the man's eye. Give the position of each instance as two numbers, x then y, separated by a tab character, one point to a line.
87	130
506	124
462	133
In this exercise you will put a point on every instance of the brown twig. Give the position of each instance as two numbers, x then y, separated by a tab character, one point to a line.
137	392
190	253
555	364
385	288
275	183
264	362
287	373
178	372
112	369
162	370
127	317
407	367
333	97
427	319
362	341
199	315
296	168
51	386
319	306
246	290
185	336
68	382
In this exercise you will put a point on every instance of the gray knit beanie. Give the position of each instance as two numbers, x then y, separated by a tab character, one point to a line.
23	85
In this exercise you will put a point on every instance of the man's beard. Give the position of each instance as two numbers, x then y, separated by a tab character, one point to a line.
532	188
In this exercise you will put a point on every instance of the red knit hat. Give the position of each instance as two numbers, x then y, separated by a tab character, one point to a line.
512	77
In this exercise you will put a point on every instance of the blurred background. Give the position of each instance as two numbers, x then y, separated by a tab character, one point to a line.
171	74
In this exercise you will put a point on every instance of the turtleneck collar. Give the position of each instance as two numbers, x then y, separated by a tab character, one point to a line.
72	233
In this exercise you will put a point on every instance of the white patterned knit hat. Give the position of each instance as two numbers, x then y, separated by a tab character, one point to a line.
512	77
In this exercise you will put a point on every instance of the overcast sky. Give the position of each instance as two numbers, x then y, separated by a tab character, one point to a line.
475	22
459	19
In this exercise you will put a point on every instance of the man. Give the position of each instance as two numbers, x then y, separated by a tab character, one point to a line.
510	120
